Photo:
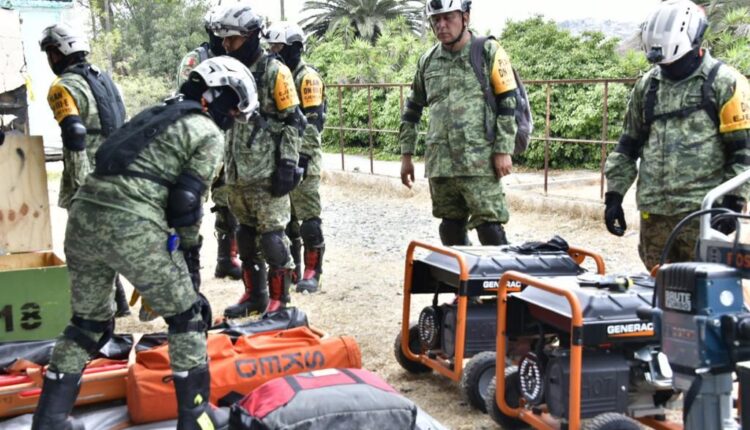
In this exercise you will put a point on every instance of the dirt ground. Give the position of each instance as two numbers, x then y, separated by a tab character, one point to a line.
368	223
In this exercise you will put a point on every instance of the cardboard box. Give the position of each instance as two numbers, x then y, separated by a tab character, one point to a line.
34	283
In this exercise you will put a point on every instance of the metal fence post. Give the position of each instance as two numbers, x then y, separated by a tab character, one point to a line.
605	133
547	135
369	125
341	127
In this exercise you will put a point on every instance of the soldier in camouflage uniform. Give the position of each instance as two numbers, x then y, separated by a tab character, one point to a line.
260	165
226	225
463	166
287	40
688	122
86	113
149	183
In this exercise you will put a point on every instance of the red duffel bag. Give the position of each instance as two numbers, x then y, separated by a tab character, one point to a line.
235	369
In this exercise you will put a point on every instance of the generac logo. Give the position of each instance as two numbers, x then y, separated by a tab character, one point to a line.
512	285
631	330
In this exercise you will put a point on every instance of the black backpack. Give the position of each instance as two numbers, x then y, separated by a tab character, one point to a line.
522	112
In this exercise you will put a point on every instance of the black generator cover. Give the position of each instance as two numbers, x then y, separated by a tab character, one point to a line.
440	273
481	328
602	379
608	317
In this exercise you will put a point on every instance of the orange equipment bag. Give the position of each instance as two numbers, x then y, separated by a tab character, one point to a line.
235	369
103	380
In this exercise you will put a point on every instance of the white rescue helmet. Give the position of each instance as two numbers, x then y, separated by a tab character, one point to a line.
285	32
435	7
225	71
238	19
673	30
65	39
212	15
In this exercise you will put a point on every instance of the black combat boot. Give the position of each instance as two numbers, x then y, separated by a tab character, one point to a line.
255	297
296	249
121	300
279	281
310	281
226	260
59	393
193	410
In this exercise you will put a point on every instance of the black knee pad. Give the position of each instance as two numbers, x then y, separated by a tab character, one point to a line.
225	223
247	243
311	231
74	332
292	229
453	232
181	323
491	234
276	253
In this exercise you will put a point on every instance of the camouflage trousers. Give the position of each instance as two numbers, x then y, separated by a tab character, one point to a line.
479	199
225	223
305	199
255	207
102	241
655	230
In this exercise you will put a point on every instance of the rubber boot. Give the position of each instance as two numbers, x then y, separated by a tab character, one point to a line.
121	300
296	249
59	393
193	410
225	264
313	268
279	281
255	297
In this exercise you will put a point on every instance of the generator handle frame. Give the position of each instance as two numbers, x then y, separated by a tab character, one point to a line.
706	232
579	255
576	351
451	371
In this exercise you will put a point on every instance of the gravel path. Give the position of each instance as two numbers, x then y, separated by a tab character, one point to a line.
368	223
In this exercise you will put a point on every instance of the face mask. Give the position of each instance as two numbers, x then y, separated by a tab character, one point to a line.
214	44
683	67
248	52
220	103
291	55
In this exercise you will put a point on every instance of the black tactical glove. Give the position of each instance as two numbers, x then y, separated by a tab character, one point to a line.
285	178
614	217
193	260
727	225
304	162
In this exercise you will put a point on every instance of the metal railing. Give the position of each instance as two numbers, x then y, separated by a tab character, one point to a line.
548	138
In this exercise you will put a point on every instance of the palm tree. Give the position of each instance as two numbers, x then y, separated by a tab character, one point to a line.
366	17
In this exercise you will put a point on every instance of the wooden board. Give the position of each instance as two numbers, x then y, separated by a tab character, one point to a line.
24	202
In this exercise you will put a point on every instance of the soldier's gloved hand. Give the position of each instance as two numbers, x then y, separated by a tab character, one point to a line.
304	163
727	225
614	217
285	178
193	260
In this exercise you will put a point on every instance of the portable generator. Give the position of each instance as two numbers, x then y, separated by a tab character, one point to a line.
465	326
593	357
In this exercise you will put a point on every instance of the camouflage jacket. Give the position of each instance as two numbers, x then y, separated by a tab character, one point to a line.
69	95
455	143
311	93
190	60
682	158
252	147
192	144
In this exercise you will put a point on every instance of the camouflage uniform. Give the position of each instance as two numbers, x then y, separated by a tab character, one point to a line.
681	158
226	223
250	161
458	156
305	199
70	94
118	224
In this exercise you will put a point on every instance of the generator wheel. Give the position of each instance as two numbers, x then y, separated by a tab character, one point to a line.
476	378
512	396
414	347
611	421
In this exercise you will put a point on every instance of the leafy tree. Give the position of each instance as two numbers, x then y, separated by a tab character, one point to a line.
367	17
728	34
